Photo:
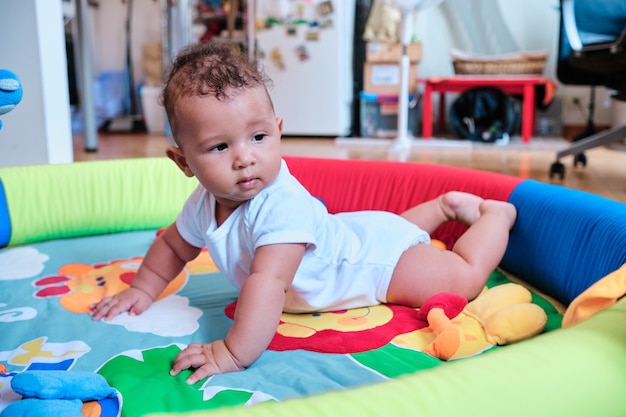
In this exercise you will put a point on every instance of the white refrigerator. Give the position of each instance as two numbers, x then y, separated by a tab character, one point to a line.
305	47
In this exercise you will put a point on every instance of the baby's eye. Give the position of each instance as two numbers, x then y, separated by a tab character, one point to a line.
258	138
219	148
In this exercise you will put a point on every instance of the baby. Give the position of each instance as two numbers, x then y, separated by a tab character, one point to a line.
273	240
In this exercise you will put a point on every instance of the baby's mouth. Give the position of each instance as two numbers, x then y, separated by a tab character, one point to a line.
248	183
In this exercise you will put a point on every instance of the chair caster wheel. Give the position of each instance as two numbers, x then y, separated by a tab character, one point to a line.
580	158
557	168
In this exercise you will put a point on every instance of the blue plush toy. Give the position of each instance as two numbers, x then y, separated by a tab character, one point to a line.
60	394
10	92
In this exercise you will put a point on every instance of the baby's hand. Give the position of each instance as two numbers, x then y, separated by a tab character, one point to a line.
132	300
208	359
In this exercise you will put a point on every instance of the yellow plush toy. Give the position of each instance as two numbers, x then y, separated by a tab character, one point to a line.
505	313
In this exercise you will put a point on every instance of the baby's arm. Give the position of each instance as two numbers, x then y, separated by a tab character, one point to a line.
259	307
165	259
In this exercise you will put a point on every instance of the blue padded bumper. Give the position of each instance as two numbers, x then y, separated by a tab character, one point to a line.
5	220
567	229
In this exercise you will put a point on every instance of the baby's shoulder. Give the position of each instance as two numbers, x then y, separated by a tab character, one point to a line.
282	197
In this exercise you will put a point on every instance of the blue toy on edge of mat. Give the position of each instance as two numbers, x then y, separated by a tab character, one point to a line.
60	394
10	92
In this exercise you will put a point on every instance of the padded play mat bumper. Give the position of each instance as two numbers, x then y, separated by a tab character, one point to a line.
563	243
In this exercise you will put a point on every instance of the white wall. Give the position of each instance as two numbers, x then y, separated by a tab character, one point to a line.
544	15
38	130
108	23
534	25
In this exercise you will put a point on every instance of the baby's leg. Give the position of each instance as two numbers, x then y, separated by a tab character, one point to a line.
453	205
424	270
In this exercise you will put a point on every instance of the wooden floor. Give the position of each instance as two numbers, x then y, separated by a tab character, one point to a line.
605	173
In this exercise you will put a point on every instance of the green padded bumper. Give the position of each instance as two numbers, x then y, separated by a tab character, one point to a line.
531	378
95	197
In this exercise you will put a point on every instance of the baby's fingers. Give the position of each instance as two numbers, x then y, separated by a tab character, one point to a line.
99	309
194	356
108	308
203	372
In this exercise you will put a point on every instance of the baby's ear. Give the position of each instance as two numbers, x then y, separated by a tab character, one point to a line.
176	155
279	122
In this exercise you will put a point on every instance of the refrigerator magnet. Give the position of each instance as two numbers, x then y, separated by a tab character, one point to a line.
277	58
313	35
325	24
302	53
325	8
261	24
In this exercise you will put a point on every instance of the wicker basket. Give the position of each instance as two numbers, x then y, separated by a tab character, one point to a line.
519	63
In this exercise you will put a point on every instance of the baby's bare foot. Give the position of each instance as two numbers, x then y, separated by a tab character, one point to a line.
507	210
460	206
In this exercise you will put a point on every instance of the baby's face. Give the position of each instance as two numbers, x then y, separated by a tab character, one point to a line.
231	145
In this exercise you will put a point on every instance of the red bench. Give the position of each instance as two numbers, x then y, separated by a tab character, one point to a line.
511	84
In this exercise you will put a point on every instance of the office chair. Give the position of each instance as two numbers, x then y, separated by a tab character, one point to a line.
592	51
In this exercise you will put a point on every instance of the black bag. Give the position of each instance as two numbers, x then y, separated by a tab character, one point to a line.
484	114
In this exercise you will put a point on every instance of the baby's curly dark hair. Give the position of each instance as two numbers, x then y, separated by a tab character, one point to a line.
211	68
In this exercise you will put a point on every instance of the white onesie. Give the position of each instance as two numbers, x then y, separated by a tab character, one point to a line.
349	258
